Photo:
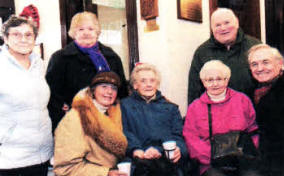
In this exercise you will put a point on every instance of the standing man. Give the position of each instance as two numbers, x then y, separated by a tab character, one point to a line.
228	44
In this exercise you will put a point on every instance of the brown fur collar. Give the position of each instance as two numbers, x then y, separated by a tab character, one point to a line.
105	130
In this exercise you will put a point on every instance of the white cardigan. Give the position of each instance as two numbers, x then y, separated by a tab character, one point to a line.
25	126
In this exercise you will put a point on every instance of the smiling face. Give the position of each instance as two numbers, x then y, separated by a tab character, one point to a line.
146	83
264	66
224	26
20	40
105	94
87	32
215	82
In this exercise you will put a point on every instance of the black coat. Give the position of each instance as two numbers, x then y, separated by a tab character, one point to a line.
70	70
270	118
236	58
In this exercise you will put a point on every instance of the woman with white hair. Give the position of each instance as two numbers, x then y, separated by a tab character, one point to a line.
73	67
149	119
229	110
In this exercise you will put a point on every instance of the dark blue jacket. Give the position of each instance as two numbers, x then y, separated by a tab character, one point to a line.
151	124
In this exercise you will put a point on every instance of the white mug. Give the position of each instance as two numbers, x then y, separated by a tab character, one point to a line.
169	147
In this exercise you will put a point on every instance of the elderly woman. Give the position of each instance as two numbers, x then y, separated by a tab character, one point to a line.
89	139
26	142
266	64
73	67
149	120
230	111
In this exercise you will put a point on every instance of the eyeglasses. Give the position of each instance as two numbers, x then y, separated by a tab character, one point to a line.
18	35
217	80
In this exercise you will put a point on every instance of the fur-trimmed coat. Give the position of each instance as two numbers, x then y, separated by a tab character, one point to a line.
87	142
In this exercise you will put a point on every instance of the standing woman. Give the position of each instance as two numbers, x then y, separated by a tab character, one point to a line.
73	67
25	128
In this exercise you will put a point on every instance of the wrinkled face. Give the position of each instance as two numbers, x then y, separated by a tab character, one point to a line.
224	26
146	83
86	33
264	67
215	82
105	94
20	39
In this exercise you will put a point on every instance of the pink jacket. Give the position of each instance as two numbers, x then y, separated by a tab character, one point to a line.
235	113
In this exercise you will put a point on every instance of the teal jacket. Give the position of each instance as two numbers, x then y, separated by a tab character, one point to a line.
235	58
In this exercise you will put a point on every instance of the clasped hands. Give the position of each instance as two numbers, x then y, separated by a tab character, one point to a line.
153	153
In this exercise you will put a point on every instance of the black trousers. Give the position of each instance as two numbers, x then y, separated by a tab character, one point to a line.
35	170
156	167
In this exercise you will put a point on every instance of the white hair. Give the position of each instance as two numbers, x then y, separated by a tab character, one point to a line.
216	65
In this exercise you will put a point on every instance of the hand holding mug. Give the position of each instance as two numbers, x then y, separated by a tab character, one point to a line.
177	155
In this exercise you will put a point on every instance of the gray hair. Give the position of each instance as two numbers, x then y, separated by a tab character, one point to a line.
217	65
275	52
222	10
15	21
144	67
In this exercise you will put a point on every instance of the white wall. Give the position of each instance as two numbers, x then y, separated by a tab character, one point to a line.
50	31
171	48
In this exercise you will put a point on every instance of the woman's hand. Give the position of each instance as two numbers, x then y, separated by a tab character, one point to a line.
138	154
116	173
152	153
177	155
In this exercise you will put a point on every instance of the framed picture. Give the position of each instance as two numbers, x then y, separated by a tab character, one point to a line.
190	10
149	9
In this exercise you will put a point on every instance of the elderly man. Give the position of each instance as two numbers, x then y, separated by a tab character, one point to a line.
266	65
148	121
228	44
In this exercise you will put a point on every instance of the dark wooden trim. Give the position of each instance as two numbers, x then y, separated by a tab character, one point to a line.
62	7
274	20
132	33
7	8
89	6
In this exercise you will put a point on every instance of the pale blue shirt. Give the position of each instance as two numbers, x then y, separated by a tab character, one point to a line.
25	126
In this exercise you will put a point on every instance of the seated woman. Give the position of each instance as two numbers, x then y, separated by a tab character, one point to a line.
89	139
148	121
266	64
230	110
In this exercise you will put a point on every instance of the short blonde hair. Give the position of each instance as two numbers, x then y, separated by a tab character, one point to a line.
217	65
81	16
275	52
144	67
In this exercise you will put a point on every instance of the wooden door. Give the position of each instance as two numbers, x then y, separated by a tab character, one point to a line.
247	11
275	23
